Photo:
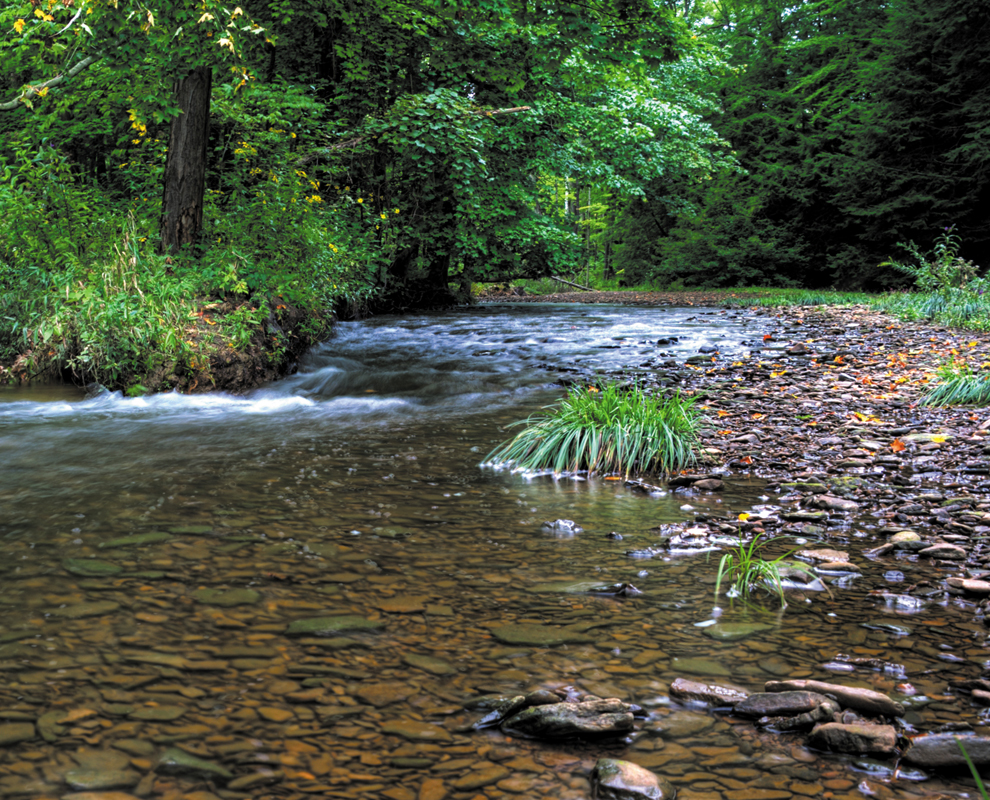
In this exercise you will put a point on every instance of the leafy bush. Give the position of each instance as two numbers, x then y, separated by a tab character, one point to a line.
607	428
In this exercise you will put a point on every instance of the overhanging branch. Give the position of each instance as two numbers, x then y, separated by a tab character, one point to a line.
34	89
350	144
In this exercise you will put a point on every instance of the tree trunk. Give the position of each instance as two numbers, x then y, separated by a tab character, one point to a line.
185	164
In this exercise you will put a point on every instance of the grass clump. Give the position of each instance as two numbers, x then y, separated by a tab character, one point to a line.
606	428
959	385
746	571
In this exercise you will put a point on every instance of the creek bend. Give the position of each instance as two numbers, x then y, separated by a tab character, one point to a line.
354	488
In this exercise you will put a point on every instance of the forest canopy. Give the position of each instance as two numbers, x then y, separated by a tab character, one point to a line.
304	156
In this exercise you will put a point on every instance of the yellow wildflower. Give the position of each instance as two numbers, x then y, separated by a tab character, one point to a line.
19	25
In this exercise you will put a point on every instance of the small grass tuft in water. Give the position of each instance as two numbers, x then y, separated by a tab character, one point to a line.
746	571
607	428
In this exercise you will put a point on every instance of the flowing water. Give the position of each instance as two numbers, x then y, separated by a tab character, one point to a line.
155	551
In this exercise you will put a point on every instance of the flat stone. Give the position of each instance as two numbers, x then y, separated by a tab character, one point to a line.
481	777
96	779
81	610
828	502
537	635
684	724
104	796
137	539
158	713
159	659
434	666
708	693
227	597
823	555
416	731
904	536
942	751
178	762
699	666
857	737
976	586
945	552
569	720
90	567
383	694
263	777
403	604
925	438
865	700
613	779
328	626
779	704
734	631
14	732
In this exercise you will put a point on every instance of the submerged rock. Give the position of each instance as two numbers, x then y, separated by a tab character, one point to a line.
567	526
591	719
178	762
613	779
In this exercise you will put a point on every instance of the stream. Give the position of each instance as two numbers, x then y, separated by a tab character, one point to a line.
154	553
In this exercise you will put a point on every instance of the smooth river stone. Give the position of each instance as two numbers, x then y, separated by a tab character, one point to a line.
417	731
613	779
14	732
403	604
80	610
227	597
137	539
90	567
699	666
328	626
96	779
734	631
382	694
178	762
435	666
538	635
682	724
158	713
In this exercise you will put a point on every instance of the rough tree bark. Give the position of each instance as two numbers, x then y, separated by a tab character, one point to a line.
185	164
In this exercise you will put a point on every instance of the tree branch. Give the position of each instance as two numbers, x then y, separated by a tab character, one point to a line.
58	79
73	21
350	144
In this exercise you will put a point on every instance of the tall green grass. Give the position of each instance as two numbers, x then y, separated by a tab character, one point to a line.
778	298
959	386
956	308
606	429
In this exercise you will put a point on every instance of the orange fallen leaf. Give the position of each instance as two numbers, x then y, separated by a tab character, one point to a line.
746	460
767	337
897	445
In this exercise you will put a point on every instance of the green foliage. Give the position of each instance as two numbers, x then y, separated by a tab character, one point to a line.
942	270
746	571
972	768
609	428
959	385
781	298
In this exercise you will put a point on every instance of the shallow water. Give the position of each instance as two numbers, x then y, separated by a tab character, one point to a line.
354	488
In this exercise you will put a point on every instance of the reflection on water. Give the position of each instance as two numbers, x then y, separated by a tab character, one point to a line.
353	488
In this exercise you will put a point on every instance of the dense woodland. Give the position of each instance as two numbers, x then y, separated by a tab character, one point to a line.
181	178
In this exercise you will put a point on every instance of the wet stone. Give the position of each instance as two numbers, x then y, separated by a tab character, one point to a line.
708	693
416	731
383	694
537	635
14	732
178	762
613	779
857	737
403	604
700	666
481	777
435	666
96	779
227	598
158	713
82	610
777	704
684	724
91	567
941	750
327	626
569	720
137	540
734	631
